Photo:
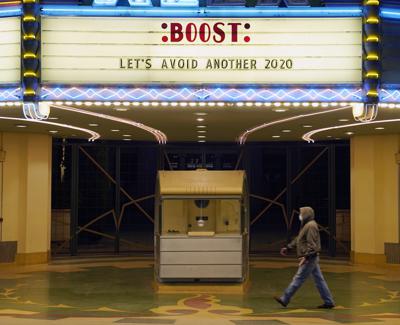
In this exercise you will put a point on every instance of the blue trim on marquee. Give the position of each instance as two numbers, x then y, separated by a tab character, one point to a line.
10	11
55	10
388	95
10	94
391	13
213	93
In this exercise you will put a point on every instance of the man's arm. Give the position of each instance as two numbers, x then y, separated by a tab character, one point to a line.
312	242
292	244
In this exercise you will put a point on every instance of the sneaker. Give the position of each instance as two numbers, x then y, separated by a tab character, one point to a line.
279	300
326	306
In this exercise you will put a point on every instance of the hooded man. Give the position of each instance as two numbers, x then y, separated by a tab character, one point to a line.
308	246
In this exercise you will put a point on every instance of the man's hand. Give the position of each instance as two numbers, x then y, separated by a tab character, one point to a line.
284	251
302	261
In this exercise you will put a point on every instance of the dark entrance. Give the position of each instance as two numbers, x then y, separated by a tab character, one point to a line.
103	193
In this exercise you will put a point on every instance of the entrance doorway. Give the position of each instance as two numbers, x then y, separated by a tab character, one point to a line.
103	193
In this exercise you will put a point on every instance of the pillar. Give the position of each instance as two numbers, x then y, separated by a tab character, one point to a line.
26	195
374	196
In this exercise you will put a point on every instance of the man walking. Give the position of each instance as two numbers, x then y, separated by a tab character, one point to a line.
308	245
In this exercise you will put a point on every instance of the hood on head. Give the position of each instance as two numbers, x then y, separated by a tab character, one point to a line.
307	213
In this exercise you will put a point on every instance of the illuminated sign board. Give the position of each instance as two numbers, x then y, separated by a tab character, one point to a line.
10	50
82	50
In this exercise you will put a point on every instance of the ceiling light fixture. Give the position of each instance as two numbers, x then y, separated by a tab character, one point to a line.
243	137
94	135
308	136
159	135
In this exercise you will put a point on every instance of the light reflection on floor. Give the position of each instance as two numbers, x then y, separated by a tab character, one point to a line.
120	291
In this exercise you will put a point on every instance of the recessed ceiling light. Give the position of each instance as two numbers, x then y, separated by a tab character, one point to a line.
121	109
349	133
314	104
53	131
276	136
201	131
280	110
329	136
200	114
126	139
286	131
343	120
201	126
338	138
88	103
93	124
307	126
380	128
127	135
201	141
114	130
199	119
21	125
201	136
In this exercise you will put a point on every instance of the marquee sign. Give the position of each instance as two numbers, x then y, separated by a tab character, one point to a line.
82	50
10	49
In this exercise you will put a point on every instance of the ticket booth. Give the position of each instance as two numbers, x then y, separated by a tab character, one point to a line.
201	226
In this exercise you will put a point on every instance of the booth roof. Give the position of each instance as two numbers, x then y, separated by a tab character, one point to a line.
202	182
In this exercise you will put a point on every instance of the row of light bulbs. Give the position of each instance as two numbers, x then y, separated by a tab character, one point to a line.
202	104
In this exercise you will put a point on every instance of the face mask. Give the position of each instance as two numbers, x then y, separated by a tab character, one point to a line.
300	217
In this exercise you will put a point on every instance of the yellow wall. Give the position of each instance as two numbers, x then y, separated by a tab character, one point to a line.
374	196
27	194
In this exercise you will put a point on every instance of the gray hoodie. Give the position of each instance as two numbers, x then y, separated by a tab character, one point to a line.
308	242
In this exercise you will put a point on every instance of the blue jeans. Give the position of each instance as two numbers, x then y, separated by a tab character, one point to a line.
304	271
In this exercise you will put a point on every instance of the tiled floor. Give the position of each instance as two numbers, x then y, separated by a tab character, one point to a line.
120	291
